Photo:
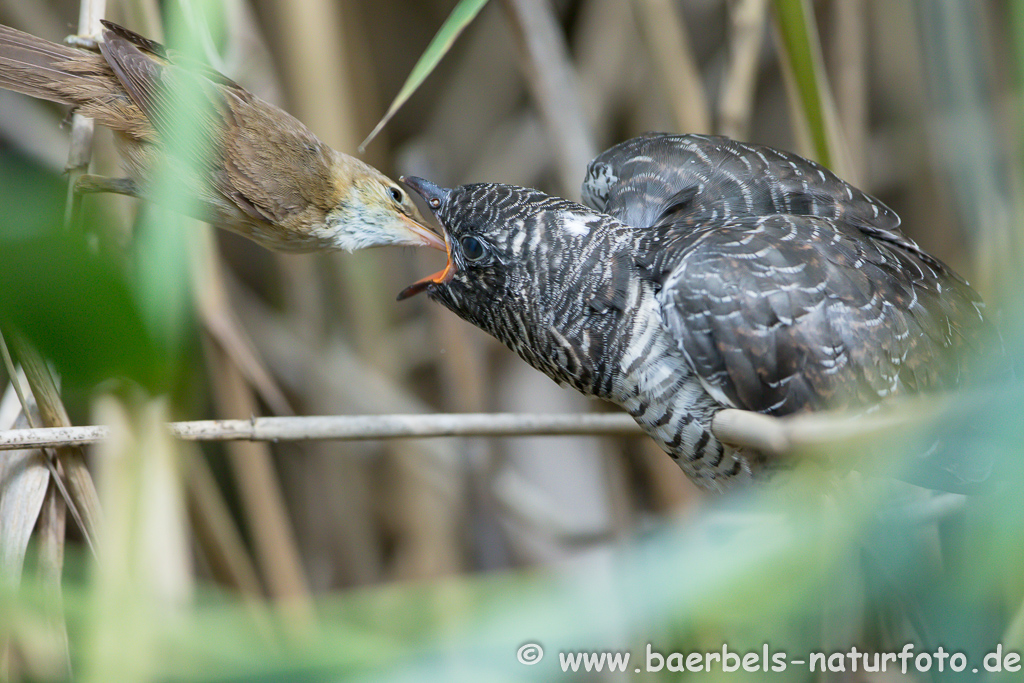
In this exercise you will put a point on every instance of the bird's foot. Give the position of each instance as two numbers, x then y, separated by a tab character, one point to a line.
93	184
83	42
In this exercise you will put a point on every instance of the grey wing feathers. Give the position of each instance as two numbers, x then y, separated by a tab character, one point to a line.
781	314
639	182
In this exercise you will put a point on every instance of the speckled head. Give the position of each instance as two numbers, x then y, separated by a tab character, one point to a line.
516	256
485	230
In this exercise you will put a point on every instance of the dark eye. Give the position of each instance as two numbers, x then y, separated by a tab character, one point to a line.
472	248
396	194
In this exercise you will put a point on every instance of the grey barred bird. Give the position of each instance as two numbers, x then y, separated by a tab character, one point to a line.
722	275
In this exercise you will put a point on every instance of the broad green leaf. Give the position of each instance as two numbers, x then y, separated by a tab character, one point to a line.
460	17
803	55
76	306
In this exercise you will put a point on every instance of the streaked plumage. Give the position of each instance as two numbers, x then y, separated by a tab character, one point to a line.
698	179
781	291
754	243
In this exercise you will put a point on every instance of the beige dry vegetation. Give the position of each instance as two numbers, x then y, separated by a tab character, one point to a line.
346	556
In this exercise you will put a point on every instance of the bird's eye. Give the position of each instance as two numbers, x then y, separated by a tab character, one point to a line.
396	194
472	248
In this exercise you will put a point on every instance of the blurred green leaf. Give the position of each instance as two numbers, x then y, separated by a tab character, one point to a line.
161	239
803	52
460	17
33	199
77	307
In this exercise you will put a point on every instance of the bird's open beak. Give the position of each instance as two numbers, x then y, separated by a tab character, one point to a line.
434	196
422	235
437	278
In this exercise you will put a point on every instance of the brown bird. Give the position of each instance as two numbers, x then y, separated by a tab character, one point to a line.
254	169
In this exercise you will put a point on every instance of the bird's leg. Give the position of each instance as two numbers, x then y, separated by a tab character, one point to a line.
94	184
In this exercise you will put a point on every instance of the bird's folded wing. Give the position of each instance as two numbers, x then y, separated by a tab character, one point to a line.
183	106
691	179
780	313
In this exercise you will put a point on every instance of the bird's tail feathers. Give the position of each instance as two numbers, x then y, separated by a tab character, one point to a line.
38	68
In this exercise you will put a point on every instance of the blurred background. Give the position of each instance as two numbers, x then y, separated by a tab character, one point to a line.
437	559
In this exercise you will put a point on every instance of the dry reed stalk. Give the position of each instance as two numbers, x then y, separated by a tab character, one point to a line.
361	427
669	47
214	308
216	532
51	533
779	437
80	492
143	16
80	151
83	502
24	477
338	381
262	498
553	83
815	436
746	38
221	545
605	48
146	567
429	517
234	365
849	63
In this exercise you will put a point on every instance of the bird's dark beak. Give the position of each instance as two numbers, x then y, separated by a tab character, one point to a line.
434	196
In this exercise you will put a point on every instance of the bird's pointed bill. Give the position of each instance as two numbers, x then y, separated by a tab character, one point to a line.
434	196
437	278
421	235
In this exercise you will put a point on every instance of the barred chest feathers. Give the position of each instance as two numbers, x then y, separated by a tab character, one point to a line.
605	337
657	387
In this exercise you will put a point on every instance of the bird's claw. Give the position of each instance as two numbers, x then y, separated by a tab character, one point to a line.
82	42
94	184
